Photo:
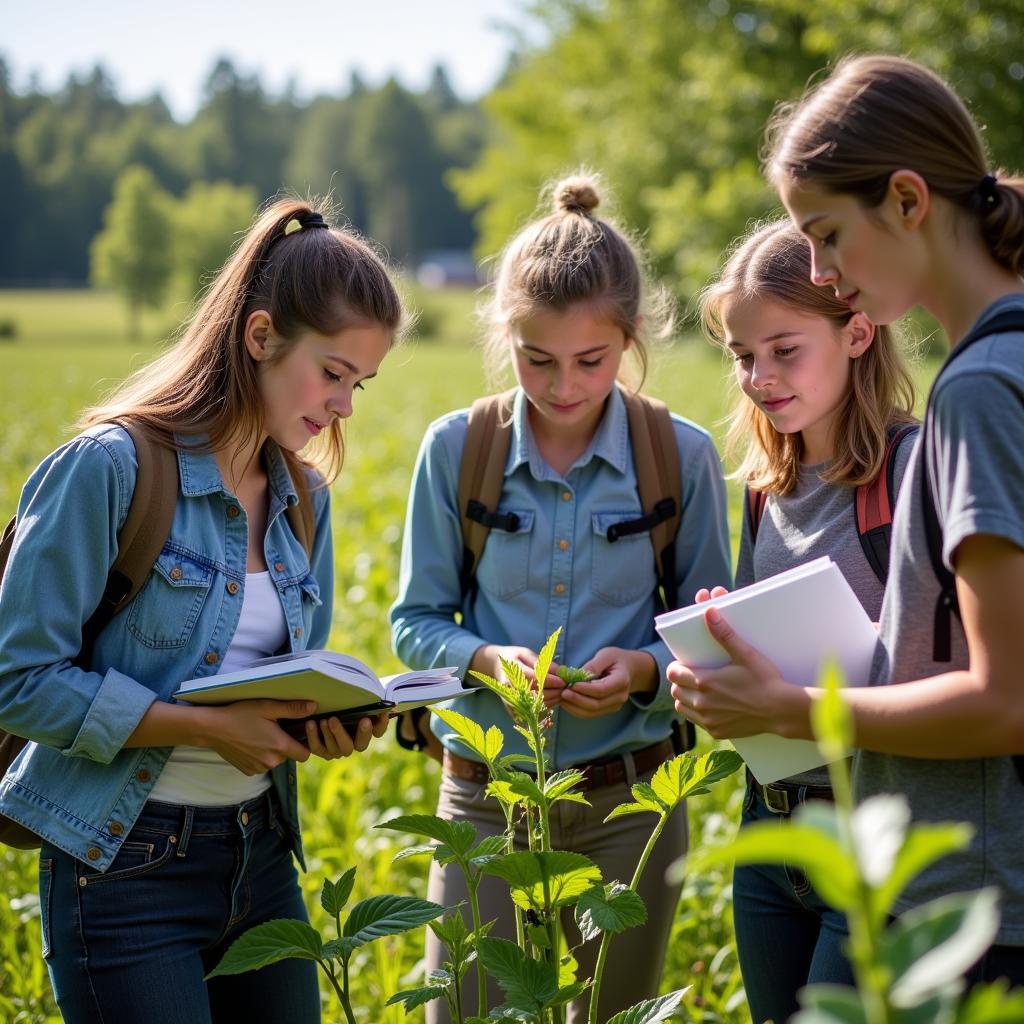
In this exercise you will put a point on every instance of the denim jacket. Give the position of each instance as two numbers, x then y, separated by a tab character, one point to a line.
75	784
557	569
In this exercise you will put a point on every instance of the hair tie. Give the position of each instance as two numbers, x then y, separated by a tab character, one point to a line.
987	190
305	221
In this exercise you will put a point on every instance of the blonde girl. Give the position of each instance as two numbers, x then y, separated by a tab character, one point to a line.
884	173
567	311
168	830
823	393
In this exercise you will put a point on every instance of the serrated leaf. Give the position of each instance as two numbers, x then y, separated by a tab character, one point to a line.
527	790
340	949
468	731
494	740
528	984
334	895
561	782
690	774
388	915
410	998
568	993
268	943
489	846
644	793
567	876
451	929
544	659
992	1004
651	1011
414	851
612	908
624	809
458	835
538	935
568	968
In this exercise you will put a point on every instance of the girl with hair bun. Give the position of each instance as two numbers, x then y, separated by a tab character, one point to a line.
169	830
884	173
567	311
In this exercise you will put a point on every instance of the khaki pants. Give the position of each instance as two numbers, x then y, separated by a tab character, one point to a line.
633	967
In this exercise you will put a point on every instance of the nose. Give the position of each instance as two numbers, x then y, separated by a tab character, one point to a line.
822	272
340	405
561	383
760	375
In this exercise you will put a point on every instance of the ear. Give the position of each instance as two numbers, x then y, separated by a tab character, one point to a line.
858	334
258	328
909	197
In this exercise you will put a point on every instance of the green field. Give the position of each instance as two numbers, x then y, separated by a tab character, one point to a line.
69	348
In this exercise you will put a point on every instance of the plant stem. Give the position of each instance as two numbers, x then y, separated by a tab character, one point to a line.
473	883
342	993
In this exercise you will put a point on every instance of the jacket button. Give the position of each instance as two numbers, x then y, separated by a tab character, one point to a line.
298	632
245	817
232	511
563	545
116	828
279	566
559	588
93	853
566	495
142	775
176	573
212	658
233	587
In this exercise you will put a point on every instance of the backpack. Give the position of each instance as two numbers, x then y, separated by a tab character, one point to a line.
873	504
139	543
947	603
659	484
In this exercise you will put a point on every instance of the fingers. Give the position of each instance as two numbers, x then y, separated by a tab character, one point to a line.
380	724
719	591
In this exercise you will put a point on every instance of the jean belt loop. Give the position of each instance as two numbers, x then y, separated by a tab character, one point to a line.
630	768
271	809
186	829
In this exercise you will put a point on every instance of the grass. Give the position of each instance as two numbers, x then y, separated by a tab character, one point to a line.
70	348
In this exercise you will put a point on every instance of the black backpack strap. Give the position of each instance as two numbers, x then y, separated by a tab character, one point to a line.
874	502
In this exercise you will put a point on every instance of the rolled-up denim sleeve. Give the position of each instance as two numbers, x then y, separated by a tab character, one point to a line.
424	631
65	543
322	566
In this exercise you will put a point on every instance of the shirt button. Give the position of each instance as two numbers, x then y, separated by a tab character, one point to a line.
298	632
212	658
93	853
559	588
563	545
245	817
566	495
279	566
233	587
176	573
142	775
116	828
232	511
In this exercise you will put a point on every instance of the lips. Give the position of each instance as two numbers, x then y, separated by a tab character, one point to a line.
312	425
775	404
564	408
849	298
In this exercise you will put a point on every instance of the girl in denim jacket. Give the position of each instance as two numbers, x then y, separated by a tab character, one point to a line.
566	311
168	830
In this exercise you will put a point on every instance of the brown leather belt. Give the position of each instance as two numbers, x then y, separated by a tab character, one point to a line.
606	772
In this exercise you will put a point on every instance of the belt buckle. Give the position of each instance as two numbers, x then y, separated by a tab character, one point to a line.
776	800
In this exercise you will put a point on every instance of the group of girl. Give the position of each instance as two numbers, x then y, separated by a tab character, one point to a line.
168	830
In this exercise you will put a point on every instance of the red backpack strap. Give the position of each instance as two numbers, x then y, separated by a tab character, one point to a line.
874	503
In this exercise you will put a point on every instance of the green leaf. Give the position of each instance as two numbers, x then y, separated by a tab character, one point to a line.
451	929
538	935
528	984
611	908
830	869
267	943
415	851
645	794
526	788
340	949
494	740
567	876
878	827
936	942
830	1004
831	720
925	844
334	895
544	659
992	1004
568	993
559	783
651	1011
410	998
471	734
388	915
490	846
691	774
459	835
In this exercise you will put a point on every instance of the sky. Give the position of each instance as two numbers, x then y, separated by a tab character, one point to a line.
171	47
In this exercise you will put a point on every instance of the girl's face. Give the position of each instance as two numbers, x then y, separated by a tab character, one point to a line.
866	256
314	382
794	366
566	363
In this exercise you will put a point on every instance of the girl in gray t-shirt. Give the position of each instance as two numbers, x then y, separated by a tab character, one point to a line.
886	175
820	390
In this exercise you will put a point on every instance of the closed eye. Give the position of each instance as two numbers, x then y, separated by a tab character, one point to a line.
538	362
332	377
743	357
784	352
591	364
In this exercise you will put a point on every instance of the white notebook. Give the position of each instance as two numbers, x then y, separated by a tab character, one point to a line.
799	619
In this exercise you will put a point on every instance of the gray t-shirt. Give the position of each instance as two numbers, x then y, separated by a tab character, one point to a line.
976	451
815	519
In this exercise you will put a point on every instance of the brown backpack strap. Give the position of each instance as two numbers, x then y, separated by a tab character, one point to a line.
300	515
753	509
658	481
482	477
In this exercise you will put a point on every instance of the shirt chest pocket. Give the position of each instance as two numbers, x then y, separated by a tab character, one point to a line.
169	604
622	571
504	567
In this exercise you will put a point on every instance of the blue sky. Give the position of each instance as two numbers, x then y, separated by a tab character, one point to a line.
171	47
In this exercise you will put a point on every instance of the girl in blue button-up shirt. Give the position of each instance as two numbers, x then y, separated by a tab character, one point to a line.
168	830
566	311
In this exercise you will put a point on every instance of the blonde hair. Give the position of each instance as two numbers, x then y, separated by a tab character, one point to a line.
307	277
774	263
571	256
875	115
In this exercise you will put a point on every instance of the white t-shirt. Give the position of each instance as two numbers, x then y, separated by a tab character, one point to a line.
198	775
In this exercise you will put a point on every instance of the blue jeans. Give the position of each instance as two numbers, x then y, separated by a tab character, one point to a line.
133	944
787	936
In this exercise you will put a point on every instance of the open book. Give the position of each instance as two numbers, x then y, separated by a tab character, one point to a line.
799	619
339	683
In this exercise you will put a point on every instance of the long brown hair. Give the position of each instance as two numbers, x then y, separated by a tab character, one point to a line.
877	114
774	263
306	278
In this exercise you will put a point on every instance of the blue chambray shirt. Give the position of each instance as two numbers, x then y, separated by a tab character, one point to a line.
557	569
75	785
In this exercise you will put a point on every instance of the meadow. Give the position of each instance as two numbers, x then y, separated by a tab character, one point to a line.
69	348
